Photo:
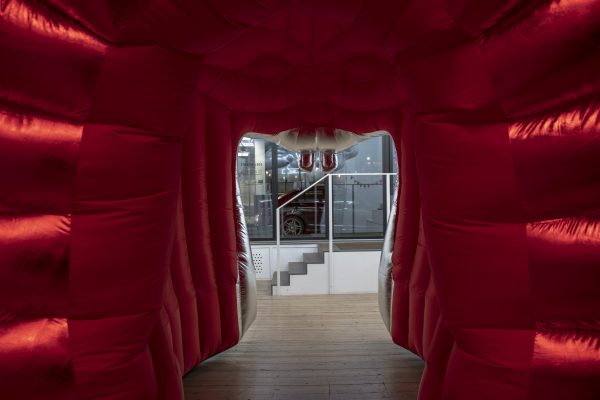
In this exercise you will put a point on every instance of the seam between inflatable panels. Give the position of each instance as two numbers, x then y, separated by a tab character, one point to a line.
73	214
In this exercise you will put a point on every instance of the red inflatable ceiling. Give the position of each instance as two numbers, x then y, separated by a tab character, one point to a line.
124	261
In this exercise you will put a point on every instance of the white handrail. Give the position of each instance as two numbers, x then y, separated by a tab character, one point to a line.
330	222
366	173
302	192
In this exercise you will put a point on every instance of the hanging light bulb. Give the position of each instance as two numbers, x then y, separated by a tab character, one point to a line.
307	160
329	160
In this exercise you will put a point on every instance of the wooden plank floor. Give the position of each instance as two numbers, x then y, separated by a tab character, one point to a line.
310	347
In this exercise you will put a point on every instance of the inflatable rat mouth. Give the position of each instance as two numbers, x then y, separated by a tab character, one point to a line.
307	141
124	259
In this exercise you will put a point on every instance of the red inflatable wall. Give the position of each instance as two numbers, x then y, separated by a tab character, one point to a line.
121	246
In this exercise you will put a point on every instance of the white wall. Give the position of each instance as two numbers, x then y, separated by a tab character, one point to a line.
355	271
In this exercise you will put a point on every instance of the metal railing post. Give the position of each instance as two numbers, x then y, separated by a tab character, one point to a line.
278	260
330	207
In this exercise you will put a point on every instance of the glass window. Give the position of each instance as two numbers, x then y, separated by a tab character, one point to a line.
289	176
304	216
359	208
365	156
254	179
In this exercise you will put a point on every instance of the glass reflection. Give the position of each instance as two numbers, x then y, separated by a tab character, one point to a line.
358	207
359	202
254	180
305	215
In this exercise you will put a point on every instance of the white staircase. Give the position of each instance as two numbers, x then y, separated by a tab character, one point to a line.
354	271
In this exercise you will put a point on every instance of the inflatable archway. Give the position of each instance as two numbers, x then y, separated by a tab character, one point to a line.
123	258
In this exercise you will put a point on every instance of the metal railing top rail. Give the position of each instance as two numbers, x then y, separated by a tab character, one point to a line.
332	174
364	173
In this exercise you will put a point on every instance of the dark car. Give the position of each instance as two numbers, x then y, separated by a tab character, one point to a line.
307	213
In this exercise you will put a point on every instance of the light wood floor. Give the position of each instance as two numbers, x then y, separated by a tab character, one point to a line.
310	348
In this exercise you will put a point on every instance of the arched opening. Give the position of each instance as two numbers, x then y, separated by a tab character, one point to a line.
302	334
301	218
